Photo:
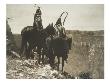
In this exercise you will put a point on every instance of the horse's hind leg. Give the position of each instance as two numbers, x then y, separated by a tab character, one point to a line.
42	54
58	63
23	47
62	63
31	52
28	53
39	54
42	58
39	58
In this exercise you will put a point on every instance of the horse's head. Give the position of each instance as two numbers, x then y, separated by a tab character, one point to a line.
50	29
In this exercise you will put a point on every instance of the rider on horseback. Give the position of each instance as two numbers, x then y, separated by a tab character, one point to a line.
37	20
60	30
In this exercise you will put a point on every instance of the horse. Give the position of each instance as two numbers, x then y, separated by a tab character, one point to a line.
58	47
32	38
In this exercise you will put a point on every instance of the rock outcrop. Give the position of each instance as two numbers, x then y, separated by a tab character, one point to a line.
10	42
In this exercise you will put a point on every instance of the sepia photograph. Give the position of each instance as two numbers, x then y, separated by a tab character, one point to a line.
54	41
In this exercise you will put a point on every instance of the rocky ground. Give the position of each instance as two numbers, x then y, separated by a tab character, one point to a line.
30	69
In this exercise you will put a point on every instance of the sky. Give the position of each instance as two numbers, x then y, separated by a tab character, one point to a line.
86	17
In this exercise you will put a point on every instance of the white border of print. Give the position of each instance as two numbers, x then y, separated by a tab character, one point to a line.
3	32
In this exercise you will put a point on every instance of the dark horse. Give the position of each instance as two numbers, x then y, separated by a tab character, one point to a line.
31	38
58	47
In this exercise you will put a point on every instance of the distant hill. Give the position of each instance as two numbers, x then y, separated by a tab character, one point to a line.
76	35
87	33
